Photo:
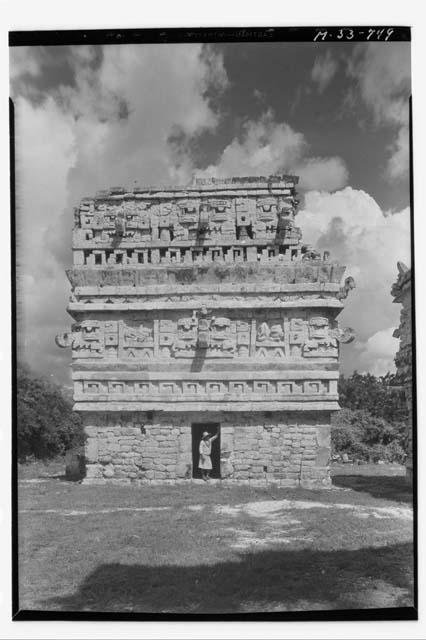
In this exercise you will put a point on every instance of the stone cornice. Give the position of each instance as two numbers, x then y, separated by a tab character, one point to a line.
173	406
196	275
264	302
290	374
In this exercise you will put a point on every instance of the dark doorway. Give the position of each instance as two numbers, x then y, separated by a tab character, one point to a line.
197	430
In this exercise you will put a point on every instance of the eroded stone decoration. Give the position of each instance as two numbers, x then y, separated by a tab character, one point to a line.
201	304
401	292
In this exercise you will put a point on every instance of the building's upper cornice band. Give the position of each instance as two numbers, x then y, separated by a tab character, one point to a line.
249	183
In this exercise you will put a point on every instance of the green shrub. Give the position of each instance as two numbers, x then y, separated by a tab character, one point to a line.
395	452
363	391
364	436
46	425
372	424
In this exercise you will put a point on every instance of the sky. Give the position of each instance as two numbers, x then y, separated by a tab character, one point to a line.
91	117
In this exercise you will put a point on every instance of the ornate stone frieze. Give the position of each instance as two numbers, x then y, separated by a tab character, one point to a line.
271	335
115	227
173	221
110	338
86	339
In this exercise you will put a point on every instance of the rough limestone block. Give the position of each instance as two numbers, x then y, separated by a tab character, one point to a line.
226	469
256	469
108	471
184	470
309	463
151	452
323	436
91	450
288	482
323	456
171	470
114	447
242	474
93	471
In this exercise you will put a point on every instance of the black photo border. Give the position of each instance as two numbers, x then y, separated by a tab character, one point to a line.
206	35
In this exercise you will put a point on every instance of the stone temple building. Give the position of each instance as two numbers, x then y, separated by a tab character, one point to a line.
401	292
196	309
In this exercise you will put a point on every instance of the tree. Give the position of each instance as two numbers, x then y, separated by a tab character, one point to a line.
46	424
372	424
376	395
366	437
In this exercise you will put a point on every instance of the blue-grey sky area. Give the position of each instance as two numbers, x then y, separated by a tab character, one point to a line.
87	118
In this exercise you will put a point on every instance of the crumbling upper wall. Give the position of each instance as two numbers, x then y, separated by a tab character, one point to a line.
401	291
235	220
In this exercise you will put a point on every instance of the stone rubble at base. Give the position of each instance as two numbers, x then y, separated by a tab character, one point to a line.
201	304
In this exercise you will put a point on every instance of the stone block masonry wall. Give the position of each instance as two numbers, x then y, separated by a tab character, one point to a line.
124	449
288	449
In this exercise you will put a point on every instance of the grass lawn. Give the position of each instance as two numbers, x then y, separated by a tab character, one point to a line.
214	549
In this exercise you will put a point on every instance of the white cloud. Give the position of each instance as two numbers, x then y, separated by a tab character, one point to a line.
45	152
384	78
399	161
22	62
266	147
383	72
369	242
377	354
162	89
324	70
324	174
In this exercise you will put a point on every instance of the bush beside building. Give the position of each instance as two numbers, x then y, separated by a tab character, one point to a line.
46	425
372	424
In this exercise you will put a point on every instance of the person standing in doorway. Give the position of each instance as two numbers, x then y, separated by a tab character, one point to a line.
205	450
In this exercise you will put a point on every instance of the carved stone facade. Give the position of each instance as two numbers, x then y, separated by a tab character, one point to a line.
202	305
401	291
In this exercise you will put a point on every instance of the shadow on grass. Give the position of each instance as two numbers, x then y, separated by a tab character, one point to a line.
385	487
62	477
264	581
